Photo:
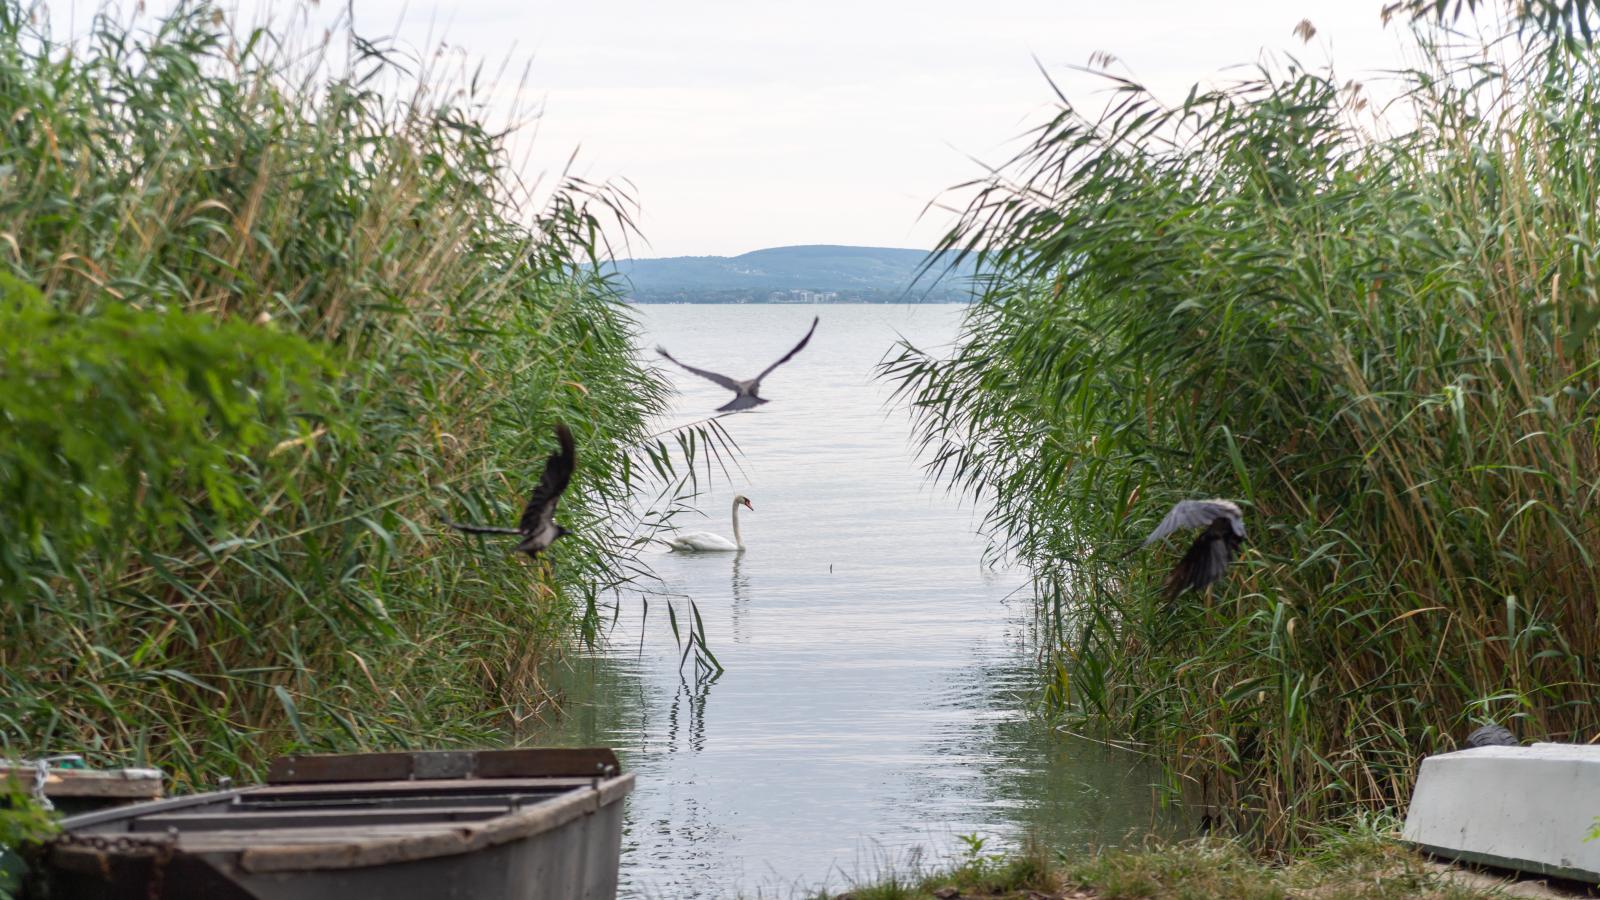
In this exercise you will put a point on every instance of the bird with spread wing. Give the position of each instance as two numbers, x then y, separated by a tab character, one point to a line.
1208	557
538	528
745	393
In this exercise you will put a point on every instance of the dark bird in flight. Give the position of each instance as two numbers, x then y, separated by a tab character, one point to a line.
538	528
744	392
1211	552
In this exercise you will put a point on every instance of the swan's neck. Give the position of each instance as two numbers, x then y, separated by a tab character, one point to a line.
737	540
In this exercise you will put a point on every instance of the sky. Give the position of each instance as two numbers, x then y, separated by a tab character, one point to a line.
746	124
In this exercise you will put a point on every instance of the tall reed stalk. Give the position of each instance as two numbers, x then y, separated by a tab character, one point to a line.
369	213
1377	331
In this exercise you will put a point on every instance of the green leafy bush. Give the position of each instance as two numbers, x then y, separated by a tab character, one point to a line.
116	420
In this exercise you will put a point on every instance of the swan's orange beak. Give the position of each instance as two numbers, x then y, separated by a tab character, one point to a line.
748	505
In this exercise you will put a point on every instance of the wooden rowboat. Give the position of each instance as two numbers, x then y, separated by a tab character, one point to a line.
516	824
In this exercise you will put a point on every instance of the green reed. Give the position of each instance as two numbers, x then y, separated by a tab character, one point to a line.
1376	329
397	325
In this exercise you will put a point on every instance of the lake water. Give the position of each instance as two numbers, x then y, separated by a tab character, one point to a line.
879	680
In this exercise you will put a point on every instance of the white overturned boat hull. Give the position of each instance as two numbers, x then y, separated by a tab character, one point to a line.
1523	808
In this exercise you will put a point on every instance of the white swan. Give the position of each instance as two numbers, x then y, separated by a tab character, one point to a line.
706	542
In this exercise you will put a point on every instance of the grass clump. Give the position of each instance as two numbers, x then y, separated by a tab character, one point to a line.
1378	332
1359	860
1222	868
275	318
1023	873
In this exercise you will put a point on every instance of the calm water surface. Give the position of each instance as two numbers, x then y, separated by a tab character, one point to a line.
876	698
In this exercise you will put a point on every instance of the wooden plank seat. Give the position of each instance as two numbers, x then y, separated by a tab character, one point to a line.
252	820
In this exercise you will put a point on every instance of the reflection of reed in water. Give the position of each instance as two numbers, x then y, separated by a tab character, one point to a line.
689	703
741	596
1041	785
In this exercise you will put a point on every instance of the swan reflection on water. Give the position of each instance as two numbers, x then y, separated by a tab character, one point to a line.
740	589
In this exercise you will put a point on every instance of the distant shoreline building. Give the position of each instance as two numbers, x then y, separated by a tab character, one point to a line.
798	296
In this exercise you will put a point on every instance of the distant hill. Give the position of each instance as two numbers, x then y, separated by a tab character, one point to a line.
816	273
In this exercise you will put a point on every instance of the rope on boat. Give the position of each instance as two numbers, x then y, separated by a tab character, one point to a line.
41	772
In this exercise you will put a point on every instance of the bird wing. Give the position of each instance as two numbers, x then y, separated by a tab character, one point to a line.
723	380
1197	514
790	355
1207	559
541	508
742	401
